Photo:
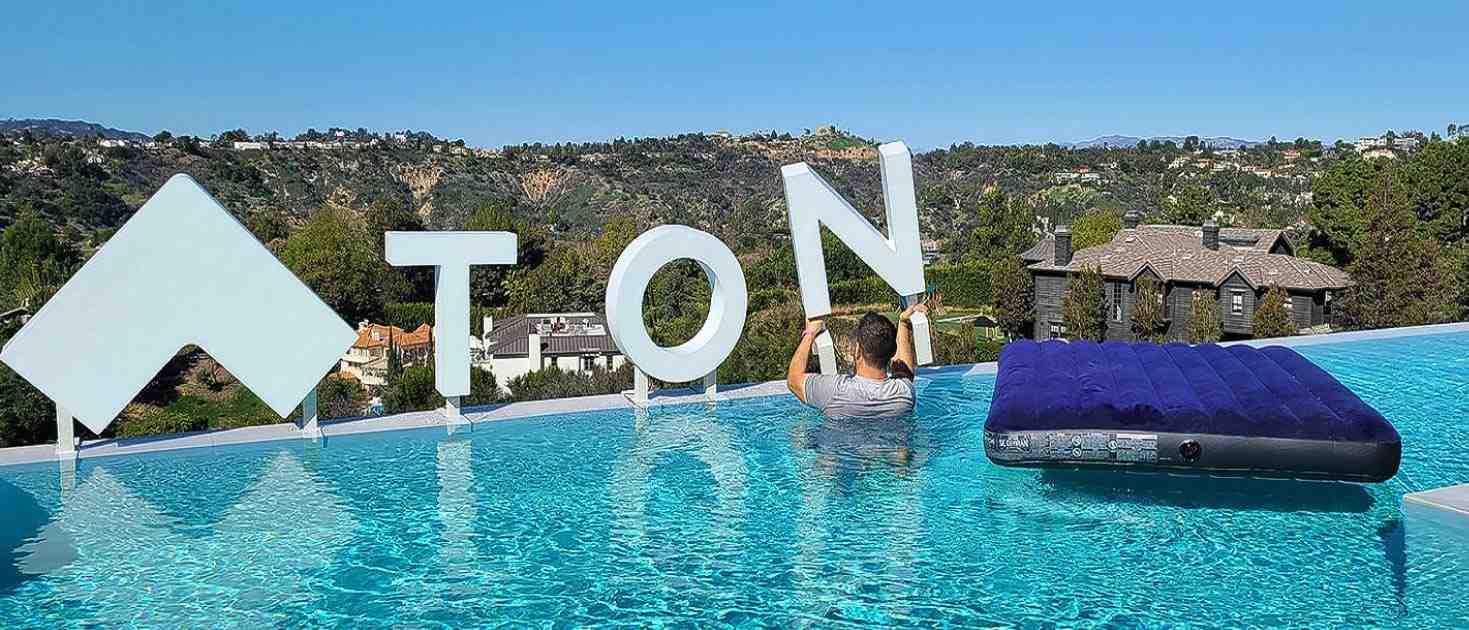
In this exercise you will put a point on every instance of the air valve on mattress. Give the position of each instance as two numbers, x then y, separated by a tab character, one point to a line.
1208	409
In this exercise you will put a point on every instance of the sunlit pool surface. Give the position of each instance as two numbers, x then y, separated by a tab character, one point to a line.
752	513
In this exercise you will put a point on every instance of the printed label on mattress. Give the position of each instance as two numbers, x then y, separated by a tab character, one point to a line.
1073	446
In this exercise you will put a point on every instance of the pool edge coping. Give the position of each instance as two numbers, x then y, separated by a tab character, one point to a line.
42	453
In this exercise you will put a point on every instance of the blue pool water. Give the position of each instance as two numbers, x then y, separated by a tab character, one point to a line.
750	514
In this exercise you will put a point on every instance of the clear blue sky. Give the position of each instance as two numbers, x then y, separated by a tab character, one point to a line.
984	72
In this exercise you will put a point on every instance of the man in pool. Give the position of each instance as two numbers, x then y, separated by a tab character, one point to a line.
882	386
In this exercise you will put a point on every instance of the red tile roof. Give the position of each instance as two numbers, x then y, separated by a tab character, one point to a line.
377	335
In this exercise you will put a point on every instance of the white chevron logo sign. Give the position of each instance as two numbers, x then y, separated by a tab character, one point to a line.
181	271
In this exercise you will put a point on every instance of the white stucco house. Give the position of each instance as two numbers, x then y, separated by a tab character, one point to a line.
573	342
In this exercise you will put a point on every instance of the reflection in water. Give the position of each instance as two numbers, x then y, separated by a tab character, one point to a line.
1196	491
450	577
655	438
103	518
867	469
1394	546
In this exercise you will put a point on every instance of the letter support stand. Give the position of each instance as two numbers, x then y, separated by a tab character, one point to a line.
310	417
66	445
453	411
640	394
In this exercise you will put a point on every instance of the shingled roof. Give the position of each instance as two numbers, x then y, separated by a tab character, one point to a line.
1176	254
571	333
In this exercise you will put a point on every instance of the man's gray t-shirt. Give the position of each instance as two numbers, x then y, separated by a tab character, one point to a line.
843	396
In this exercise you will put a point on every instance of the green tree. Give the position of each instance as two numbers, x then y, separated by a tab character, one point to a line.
413	391
390	213
340	397
1003	230
1084	308
1204	322
333	255
1399	278
1014	297
487	282
268	225
1272	315
1191	205
1149	317
26	415
34	262
1338	206
1095	228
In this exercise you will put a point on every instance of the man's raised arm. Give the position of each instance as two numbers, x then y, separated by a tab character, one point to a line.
796	372
905	337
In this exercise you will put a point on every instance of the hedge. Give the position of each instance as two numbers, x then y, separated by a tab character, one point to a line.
961	285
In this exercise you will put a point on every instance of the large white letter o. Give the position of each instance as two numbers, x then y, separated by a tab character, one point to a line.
708	348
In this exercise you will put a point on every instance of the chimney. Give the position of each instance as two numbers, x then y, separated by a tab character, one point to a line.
489	325
1211	235
1063	245
1130	220
533	348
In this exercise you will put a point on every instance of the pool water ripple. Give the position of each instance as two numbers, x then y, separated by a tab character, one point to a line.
748	513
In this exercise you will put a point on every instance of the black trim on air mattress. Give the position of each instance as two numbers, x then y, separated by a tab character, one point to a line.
1197	453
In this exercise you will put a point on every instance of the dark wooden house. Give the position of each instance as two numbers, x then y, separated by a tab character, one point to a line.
1236	265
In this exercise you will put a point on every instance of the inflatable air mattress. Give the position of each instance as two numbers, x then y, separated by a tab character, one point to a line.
1205	409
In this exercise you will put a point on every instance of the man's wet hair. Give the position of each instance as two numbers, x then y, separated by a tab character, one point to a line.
877	339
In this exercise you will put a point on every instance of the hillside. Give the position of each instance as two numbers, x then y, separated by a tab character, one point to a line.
727	185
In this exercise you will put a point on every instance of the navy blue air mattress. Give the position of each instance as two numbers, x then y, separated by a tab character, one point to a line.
1209	409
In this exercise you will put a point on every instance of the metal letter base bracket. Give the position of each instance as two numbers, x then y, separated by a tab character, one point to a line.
640	394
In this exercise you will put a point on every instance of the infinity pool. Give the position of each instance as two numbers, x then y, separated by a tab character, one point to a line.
752	513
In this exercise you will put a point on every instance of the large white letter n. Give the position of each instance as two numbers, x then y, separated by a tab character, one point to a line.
897	258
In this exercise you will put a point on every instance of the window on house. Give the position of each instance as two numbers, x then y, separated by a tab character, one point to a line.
1117	302
588	362
1056	331
1237	302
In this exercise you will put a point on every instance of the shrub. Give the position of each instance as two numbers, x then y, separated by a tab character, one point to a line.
1083	309
140	420
483	389
552	382
340	397
1272	316
413	390
962	285
1148	312
1014	297
1204	325
866	290
761	299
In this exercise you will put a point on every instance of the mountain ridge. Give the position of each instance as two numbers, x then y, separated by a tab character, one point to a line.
75	128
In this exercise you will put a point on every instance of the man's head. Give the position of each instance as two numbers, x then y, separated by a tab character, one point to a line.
877	340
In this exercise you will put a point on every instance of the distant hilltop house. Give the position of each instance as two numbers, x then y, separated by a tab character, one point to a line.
1079	176
367	359
573	342
1378	144
1236	265
1372	154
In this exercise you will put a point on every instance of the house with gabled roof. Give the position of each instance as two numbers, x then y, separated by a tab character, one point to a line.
1235	265
367	359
